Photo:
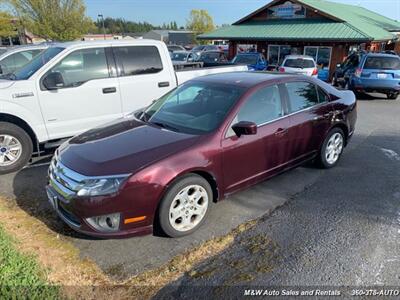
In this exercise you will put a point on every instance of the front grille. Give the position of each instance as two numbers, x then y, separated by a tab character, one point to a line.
65	177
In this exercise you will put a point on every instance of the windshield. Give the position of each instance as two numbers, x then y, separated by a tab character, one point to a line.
193	108
35	64
299	63
383	63
179	56
246	59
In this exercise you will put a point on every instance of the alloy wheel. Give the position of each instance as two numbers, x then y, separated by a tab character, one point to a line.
10	150
188	208
334	148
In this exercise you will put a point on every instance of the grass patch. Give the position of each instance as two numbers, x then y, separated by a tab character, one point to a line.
20	275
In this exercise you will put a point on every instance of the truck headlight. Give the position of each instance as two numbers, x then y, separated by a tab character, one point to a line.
101	186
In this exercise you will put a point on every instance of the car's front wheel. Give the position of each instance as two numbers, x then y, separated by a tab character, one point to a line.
15	148
185	206
332	148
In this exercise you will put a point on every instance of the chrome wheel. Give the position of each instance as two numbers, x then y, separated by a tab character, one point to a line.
188	208
334	148
10	150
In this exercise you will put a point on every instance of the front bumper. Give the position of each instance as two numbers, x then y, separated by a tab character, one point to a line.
69	214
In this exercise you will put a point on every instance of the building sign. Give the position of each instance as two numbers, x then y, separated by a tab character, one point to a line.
287	10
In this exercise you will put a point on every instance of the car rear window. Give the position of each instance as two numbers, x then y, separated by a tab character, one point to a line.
299	63
383	63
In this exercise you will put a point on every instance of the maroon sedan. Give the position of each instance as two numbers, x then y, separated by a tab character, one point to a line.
212	136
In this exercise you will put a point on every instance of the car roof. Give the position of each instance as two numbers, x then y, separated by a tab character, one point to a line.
243	79
299	56
107	43
381	55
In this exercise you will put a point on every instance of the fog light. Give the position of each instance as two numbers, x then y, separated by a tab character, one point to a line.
106	223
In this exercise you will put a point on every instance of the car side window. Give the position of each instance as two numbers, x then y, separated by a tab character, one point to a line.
138	60
82	65
302	95
322	95
263	106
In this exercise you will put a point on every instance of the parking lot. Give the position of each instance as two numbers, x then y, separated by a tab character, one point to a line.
352	186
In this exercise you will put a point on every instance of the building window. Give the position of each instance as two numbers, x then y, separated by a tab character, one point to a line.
321	55
277	53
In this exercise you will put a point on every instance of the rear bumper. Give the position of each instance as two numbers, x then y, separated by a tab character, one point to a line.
375	85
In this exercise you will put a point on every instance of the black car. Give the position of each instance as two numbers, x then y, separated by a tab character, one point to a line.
344	70
213	59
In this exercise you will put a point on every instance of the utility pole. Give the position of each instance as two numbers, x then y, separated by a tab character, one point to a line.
104	28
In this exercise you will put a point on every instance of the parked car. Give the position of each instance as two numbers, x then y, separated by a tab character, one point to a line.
255	61
72	87
212	136
202	48
213	59
299	64
344	70
16	57
376	72
173	48
184	59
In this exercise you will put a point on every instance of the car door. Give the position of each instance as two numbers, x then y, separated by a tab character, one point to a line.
310	115
251	157
89	97
142	76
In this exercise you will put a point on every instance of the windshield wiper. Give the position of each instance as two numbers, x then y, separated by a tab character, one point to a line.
166	126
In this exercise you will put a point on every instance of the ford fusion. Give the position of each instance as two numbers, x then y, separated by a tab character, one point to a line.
164	166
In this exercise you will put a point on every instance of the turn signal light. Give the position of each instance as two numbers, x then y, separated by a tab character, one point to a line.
134	220
358	72
281	69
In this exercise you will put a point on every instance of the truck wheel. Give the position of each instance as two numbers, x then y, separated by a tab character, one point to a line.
15	148
185	206
392	96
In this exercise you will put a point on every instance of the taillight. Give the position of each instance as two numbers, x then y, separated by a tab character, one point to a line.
281	69
315	72
358	72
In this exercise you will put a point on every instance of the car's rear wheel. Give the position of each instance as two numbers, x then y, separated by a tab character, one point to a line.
332	149
392	96
15	148
185	206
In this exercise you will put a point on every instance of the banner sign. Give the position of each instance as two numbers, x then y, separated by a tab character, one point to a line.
288	10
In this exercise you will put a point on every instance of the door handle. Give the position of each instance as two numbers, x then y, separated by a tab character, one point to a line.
281	131
163	84
109	90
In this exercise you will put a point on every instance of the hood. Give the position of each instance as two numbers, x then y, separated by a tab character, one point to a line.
122	147
4	84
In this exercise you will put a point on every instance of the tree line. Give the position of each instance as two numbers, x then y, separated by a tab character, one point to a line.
65	20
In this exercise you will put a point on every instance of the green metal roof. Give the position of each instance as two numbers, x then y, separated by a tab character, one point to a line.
349	23
373	25
299	30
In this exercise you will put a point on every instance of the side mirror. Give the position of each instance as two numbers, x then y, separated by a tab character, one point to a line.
53	81
245	128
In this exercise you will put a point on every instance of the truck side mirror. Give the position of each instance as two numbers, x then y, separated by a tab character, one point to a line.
53	81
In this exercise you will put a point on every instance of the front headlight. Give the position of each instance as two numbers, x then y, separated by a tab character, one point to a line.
101	186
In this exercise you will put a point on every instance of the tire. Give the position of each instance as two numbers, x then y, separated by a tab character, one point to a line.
13	136
334	81
392	96
186	221
325	161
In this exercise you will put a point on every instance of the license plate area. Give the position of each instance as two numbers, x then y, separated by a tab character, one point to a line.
382	76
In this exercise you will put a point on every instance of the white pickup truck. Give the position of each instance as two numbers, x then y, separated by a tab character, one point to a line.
72	87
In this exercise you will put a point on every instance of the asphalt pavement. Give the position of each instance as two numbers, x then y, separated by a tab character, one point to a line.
343	230
344	219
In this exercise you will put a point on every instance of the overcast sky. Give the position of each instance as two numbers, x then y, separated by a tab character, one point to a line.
223	11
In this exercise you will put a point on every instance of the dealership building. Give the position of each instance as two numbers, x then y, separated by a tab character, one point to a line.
326	31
